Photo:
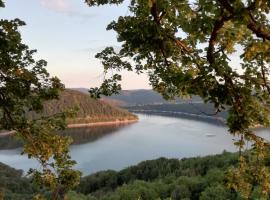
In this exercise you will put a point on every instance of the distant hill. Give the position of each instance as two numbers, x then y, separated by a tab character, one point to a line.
151	102
128	98
199	111
83	90
89	110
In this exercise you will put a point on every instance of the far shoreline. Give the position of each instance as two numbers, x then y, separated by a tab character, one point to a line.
90	124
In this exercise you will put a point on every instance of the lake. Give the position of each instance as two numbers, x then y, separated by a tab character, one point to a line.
117	147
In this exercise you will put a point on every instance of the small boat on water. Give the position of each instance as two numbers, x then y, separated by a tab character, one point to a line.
210	135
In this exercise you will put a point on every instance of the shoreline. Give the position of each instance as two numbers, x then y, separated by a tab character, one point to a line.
91	124
219	121
103	123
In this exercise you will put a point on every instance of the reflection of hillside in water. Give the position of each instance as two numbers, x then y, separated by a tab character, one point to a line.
79	135
89	134
9	142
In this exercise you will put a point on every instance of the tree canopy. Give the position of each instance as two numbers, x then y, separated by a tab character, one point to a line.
217	49
24	86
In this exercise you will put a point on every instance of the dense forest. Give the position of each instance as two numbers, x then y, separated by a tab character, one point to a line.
189	178
13	185
87	109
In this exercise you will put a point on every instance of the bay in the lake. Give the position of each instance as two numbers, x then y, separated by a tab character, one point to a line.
117	147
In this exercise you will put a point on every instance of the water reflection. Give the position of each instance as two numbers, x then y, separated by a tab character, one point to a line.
9	142
79	135
116	147
90	134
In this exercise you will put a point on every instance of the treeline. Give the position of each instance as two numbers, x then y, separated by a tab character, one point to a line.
192	178
13	186
201	178
87	110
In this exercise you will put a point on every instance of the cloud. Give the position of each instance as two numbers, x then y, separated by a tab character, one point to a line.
65	7
56	5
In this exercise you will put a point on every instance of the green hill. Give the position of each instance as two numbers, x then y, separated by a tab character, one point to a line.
89	110
200	178
13	185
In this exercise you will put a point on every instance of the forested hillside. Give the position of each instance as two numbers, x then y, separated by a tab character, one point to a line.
87	109
13	185
151	102
201	178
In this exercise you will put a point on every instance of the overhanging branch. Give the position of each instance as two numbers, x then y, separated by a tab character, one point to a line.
211	45
257	29
252	24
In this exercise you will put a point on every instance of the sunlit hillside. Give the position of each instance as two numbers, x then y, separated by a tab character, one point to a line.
88	110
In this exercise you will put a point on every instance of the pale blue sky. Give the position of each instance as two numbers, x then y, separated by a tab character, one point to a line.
67	33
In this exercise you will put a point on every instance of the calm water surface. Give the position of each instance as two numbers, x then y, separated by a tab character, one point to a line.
152	137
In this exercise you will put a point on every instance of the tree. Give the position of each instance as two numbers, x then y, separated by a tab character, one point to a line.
24	86
217	49
217	192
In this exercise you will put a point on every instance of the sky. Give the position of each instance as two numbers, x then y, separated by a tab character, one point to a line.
68	34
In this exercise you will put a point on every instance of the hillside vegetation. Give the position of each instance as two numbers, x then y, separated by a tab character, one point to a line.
151	102
201	178
13	186
88	110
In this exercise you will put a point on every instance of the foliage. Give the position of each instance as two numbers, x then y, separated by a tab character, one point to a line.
190	178
13	185
187	48
74	196
166	177
24	86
